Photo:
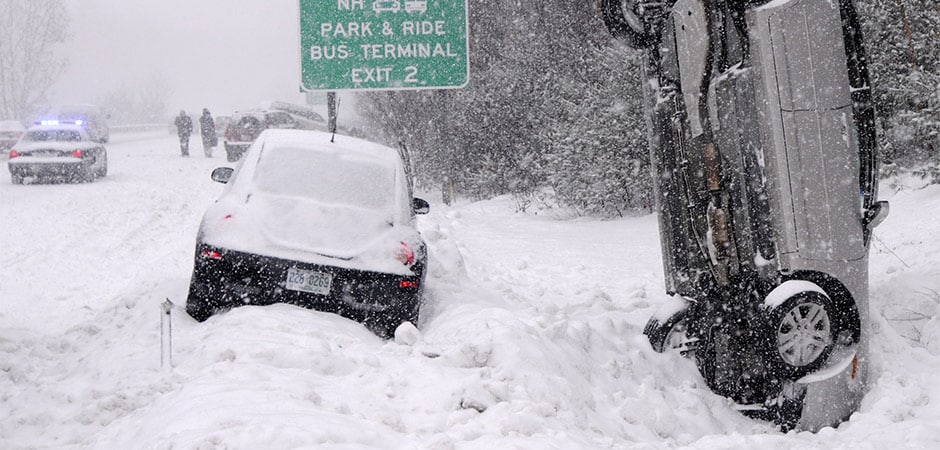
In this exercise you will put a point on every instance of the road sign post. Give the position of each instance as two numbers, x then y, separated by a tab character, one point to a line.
383	44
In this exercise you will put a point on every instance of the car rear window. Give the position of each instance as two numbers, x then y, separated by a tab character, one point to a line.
246	123
279	120
52	135
327	177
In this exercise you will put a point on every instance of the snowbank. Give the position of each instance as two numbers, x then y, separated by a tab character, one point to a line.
530	338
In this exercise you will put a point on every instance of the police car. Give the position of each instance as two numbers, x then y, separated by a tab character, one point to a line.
57	151
89	117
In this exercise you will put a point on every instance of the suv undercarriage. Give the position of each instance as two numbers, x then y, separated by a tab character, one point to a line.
764	165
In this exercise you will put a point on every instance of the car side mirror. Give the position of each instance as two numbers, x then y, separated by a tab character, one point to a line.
222	174
420	206
876	214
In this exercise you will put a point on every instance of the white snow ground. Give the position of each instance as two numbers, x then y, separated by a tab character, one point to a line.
530	338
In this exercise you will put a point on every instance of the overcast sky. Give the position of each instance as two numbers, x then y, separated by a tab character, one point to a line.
221	54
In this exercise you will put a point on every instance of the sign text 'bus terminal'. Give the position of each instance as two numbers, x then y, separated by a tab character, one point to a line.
383	44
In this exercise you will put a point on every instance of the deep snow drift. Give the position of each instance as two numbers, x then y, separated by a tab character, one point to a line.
530	336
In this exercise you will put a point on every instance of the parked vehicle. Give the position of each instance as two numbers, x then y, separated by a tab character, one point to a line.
246	126
312	220
89	117
57	152
221	123
764	167
307	118
10	133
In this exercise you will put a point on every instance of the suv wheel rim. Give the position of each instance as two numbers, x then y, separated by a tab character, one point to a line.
803	334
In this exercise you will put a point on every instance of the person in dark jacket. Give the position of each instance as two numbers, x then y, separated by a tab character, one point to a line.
207	129
184	128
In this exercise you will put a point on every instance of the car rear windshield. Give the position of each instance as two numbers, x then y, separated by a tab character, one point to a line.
327	177
279	120
53	135
247	123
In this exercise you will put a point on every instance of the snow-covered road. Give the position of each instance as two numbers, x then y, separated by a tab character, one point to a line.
530	337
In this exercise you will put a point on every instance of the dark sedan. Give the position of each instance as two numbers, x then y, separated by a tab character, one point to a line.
312	220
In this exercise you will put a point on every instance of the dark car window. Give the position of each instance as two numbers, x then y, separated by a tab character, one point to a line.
52	135
310	115
248	123
279	120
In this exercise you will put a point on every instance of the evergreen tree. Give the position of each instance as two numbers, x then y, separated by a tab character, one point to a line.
30	31
555	105
549	91
902	37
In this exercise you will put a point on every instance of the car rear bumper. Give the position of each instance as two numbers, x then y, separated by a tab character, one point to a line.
835	391
824	398
72	167
228	279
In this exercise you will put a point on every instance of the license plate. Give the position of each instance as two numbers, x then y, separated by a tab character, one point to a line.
309	281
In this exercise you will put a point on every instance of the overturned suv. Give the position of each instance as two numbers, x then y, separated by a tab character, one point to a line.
764	164
320	221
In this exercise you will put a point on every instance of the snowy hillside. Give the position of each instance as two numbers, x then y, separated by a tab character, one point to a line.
530	336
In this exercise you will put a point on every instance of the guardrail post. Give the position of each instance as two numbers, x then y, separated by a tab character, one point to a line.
166	334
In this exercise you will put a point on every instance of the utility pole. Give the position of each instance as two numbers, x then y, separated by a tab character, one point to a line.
331	111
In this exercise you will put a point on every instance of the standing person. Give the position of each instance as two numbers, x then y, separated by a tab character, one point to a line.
207	129
184	128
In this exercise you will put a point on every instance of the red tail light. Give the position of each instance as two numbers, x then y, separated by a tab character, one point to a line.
211	254
406	255
408	284
14	154
77	153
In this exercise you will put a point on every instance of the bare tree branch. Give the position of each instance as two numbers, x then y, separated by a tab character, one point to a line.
32	31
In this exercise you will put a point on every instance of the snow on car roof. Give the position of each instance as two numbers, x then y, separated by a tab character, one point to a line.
321	140
249	112
60	126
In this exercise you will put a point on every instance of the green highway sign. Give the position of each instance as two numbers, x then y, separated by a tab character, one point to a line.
383	44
